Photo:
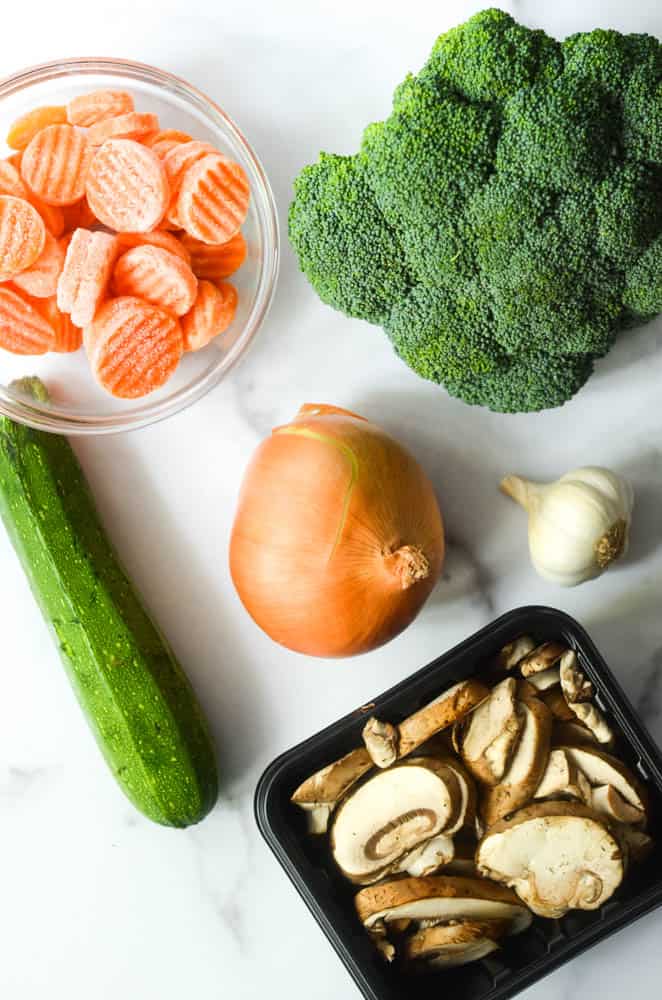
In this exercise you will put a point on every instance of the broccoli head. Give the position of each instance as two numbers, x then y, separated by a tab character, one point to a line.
504	223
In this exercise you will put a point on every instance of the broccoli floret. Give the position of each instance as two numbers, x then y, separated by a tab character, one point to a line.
345	247
642	114
529	382
556	134
504	223
643	282
491	57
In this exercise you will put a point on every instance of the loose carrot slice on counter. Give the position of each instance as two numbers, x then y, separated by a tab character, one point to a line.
133	347
22	236
55	164
215	261
88	266
213	199
40	280
158	276
157	238
212	313
97	106
127	188
133	125
68	338
23	330
23	130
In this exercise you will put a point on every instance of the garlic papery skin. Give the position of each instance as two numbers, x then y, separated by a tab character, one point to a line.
578	525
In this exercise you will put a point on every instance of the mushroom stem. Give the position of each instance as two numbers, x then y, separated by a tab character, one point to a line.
408	565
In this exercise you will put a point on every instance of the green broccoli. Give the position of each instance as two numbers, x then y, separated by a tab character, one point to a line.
504	223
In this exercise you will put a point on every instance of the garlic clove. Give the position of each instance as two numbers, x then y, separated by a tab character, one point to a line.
578	525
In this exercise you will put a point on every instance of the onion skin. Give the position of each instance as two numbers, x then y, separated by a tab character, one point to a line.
338	539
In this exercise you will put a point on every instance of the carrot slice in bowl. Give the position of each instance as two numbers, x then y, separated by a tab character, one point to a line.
127	188
158	276
134	125
211	315
97	106
22	236
23	329
213	199
133	347
23	130
40	280
215	261
55	164
88	267
68	338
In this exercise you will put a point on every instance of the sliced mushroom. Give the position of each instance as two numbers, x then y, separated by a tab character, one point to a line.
557	856
511	654
392	813
545	680
558	706
490	734
639	845
320	793
541	658
439	899
381	741
594	720
575	686
448	945
602	769
605	799
573	733
527	768
563	779
386	743
379	936
429	857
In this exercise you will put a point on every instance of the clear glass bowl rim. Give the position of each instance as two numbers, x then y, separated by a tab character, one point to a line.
43	418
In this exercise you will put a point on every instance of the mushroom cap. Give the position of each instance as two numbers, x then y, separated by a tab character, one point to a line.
541	658
330	783
451	706
557	856
441	898
448	945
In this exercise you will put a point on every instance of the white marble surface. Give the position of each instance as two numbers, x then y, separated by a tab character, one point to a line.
96	902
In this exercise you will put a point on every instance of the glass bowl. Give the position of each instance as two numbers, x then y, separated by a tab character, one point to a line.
77	404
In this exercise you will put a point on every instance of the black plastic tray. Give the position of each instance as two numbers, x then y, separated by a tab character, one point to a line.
548	943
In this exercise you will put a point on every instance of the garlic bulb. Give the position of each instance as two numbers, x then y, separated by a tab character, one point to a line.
578	525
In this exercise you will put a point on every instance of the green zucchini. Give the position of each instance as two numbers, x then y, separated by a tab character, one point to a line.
139	704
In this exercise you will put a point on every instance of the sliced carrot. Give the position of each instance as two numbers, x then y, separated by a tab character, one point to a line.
167	135
176	162
22	236
157	238
10	181
40	280
88	266
55	164
133	347
163	147
127	188
158	276
78	216
213	199
23	130
68	338
134	125
23	330
97	106
215	261
15	160
212	313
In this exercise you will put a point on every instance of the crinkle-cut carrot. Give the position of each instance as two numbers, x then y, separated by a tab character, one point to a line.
158	276
213	199
134	125
22	131
97	106
133	347
78	216
55	164
212	313
40	280
176	162
215	261
23	330
68	338
127	188
157	238
10	181
163	147
167	135
51	214
88	267
22	236
15	160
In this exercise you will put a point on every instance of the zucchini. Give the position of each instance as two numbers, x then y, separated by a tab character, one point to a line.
138	702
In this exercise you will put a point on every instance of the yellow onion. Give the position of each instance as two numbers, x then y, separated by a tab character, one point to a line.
338	539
